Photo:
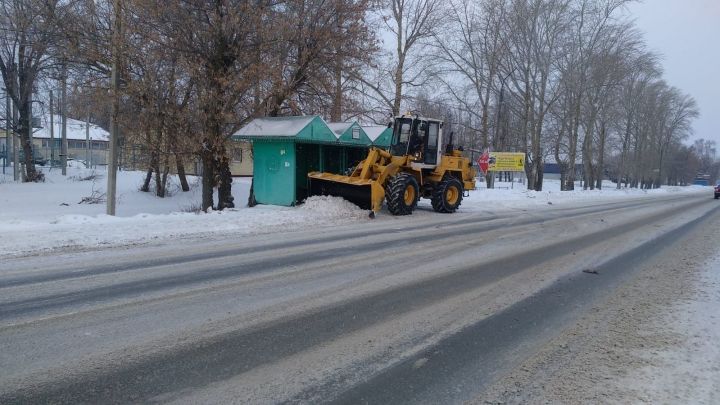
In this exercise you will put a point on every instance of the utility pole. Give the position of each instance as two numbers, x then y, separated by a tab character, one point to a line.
63	111
15	145
112	164
30	131
8	132
87	140
52	132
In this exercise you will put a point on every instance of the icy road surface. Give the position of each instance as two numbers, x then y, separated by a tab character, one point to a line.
428	309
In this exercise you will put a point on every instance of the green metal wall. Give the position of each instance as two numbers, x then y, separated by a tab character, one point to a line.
274	169
346	138
316	131
383	141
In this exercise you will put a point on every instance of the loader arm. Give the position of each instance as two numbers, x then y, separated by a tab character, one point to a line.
365	186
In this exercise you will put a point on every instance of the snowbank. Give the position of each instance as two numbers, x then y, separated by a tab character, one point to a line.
517	196
49	216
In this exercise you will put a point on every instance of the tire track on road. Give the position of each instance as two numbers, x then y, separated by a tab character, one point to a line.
8	282
144	286
200	363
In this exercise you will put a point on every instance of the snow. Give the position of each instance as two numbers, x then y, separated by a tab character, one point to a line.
275	126
75	129
374	131
516	195
686	371
339	128
41	216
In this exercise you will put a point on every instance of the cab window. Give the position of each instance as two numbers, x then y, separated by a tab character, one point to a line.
432	135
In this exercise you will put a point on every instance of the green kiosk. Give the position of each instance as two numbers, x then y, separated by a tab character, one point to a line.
286	149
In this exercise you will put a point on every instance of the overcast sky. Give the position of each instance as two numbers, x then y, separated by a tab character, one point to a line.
687	34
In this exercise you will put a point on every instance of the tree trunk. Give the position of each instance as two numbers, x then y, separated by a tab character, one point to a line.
166	170
398	85
574	136
336	111
208	176
159	189
146	184
600	171
587	161
181	174
624	153
225	197
31	174
251	197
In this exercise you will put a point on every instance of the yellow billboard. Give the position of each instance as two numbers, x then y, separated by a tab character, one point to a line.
507	162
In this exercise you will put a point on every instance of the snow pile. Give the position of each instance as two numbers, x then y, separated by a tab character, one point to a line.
48	215
332	207
516	195
101	230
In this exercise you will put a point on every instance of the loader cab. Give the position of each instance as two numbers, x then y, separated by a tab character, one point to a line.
419	137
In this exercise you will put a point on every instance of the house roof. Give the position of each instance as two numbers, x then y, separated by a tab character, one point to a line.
275	126
75	129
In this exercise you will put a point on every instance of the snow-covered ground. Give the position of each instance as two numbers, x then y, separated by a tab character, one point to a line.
688	369
49	215
652	340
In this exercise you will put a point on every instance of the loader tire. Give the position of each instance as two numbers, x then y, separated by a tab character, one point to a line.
402	193
447	195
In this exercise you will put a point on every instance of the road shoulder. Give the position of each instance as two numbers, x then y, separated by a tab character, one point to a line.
652	340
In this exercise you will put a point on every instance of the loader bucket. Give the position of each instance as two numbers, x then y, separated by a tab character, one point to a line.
361	192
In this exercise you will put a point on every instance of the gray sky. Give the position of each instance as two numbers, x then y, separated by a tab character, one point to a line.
687	34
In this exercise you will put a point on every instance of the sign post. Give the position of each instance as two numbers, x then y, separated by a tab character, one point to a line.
484	162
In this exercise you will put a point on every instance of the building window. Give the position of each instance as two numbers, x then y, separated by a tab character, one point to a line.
237	155
76	144
47	143
356	133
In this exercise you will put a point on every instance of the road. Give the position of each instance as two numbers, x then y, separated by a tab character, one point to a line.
412	310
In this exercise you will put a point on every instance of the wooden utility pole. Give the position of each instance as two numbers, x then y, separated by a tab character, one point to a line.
8	131
112	163
15	145
52	132
87	141
63	111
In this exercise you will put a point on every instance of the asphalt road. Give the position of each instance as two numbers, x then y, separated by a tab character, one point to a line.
413	310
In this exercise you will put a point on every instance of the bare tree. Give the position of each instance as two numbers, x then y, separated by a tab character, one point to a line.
470	47
410	23
535	31
29	36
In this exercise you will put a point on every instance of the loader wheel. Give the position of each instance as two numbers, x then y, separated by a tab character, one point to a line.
447	195
402	194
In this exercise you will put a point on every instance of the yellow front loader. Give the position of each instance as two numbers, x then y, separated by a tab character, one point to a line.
415	166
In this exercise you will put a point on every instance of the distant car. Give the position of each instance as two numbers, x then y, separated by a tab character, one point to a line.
717	190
